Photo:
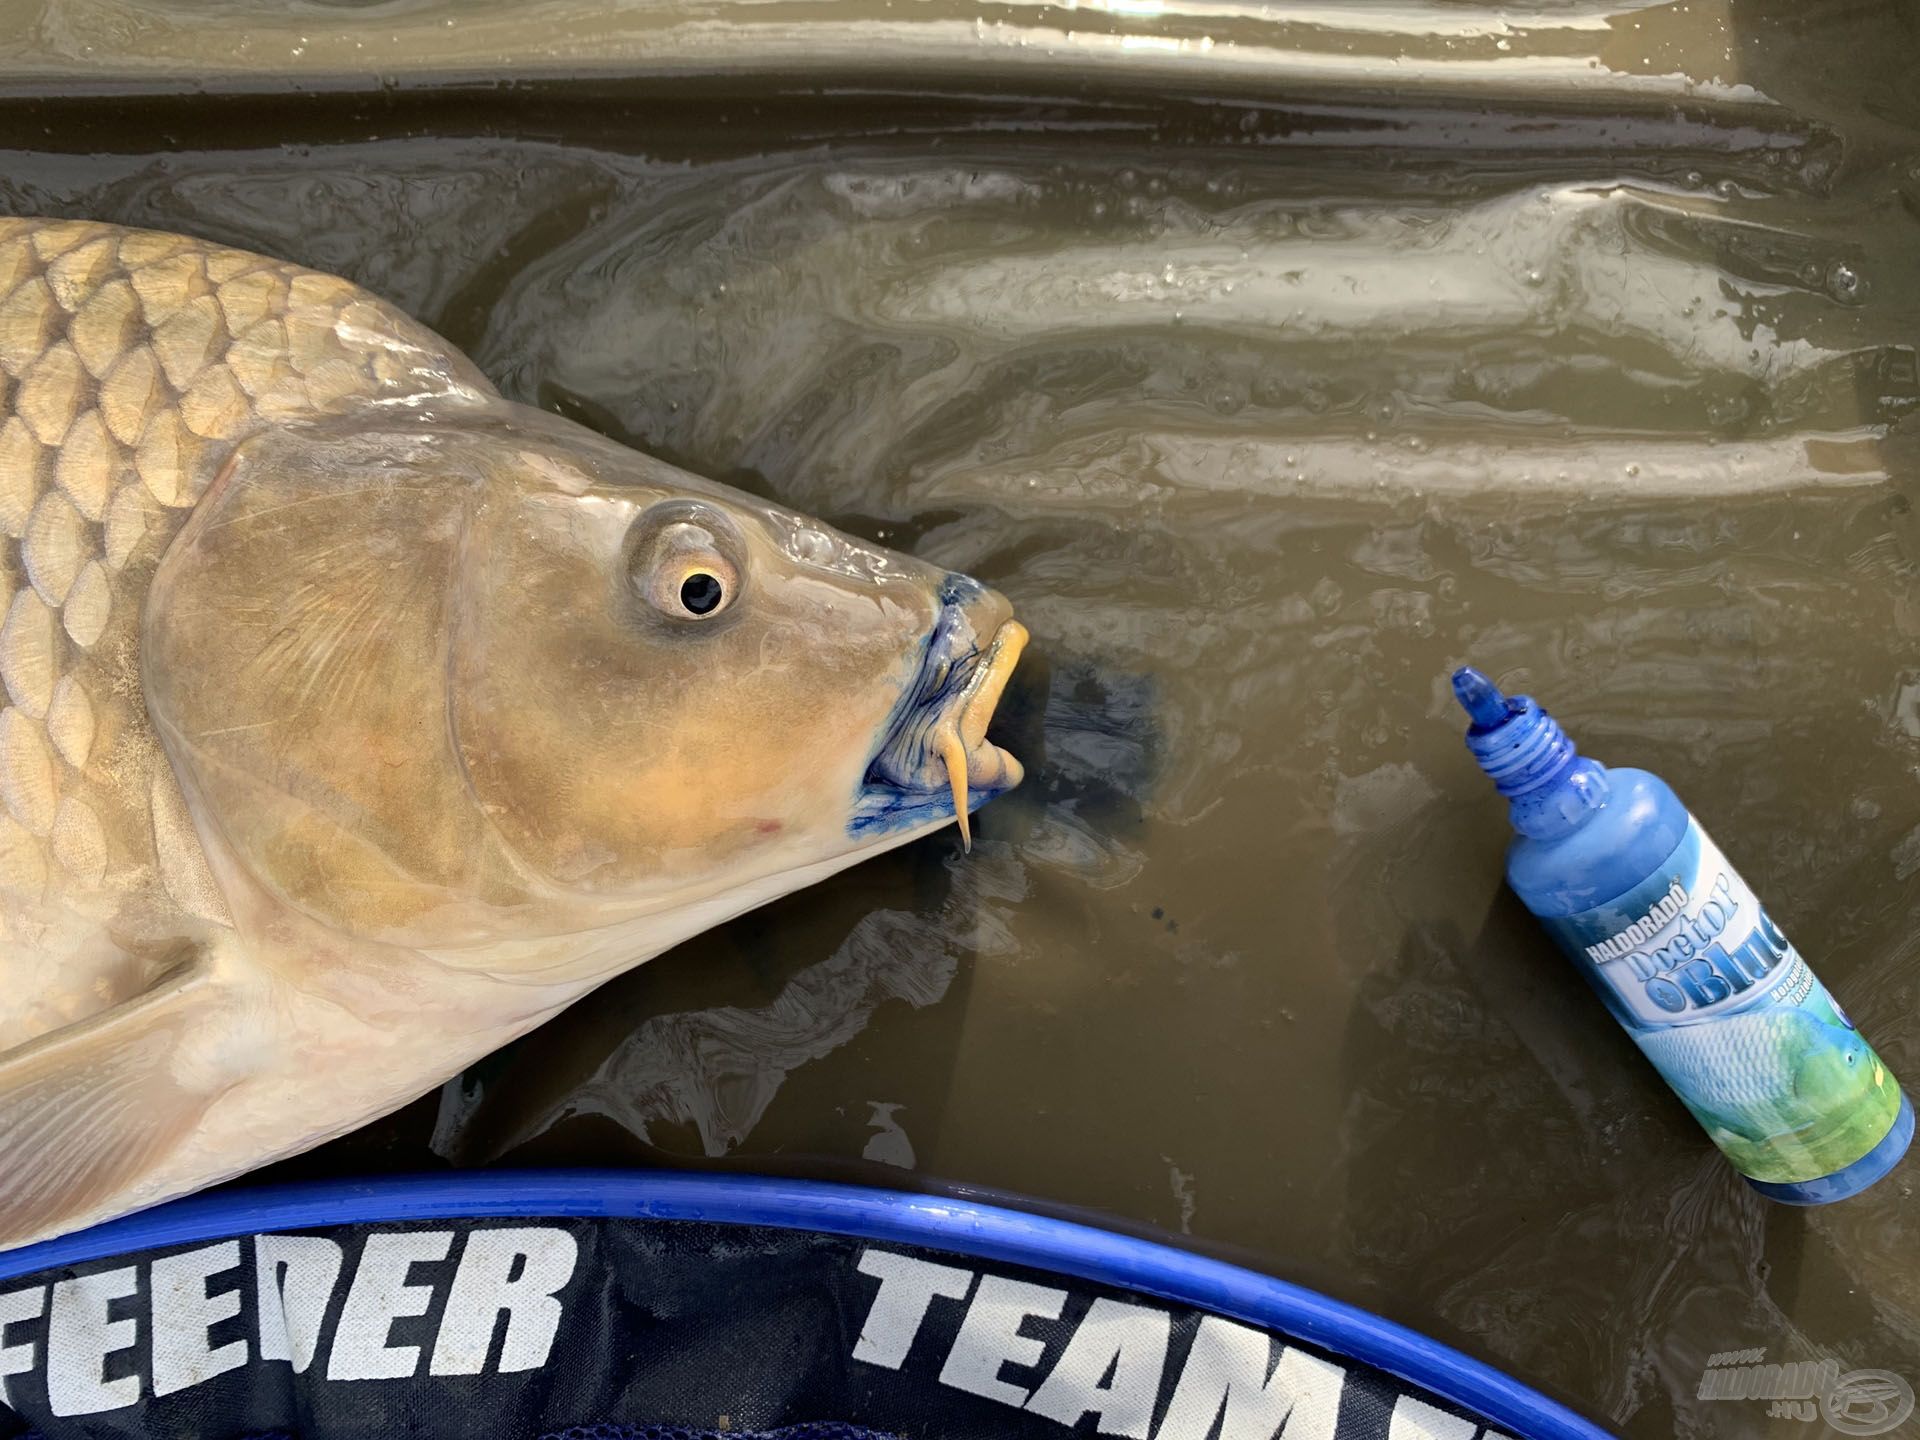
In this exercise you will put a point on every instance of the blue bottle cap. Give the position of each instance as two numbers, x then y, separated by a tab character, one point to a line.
1519	745
1481	698
1529	758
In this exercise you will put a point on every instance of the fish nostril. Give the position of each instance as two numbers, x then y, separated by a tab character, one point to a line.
957	590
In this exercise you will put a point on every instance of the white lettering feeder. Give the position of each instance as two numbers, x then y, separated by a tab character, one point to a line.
581	1305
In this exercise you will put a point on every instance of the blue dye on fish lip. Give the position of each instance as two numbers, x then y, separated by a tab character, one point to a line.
906	782
959	590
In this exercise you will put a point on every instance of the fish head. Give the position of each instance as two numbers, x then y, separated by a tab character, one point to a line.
467	683
664	688
1836	1069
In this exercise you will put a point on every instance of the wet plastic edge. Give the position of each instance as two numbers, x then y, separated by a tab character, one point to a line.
981	1232
1849	1180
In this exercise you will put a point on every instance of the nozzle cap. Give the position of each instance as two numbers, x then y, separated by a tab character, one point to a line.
1480	698
1550	789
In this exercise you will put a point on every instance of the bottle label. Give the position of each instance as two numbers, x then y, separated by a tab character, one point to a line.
1732	1017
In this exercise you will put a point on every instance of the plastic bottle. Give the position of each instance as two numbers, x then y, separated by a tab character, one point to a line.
1665	929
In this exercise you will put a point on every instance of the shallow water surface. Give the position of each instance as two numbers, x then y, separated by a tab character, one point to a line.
1266	413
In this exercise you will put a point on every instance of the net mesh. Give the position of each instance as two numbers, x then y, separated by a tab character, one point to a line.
827	1430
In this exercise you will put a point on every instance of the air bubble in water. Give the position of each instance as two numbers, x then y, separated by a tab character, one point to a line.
1728	410
1844	283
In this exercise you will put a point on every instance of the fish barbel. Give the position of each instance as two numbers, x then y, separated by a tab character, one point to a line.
356	719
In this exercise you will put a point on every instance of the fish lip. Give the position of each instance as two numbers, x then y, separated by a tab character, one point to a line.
954	691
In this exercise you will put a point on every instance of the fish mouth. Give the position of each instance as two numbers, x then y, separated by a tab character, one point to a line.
935	753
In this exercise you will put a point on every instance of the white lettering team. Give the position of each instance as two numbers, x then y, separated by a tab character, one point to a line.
1235	1382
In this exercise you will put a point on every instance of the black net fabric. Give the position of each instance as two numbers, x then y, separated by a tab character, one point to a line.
536	1327
830	1431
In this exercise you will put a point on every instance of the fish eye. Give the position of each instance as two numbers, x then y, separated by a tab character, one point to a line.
685	561
702	593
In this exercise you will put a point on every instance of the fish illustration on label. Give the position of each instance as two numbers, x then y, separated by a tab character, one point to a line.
1716	996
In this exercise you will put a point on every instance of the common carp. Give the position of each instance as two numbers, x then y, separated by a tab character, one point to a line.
357	719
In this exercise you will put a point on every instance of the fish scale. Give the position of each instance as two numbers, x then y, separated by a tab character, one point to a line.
1742	1068
131	365
284	576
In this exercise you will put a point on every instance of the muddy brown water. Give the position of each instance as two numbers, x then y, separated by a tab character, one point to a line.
1266	411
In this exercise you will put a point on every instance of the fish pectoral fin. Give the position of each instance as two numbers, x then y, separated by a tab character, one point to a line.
90	1111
